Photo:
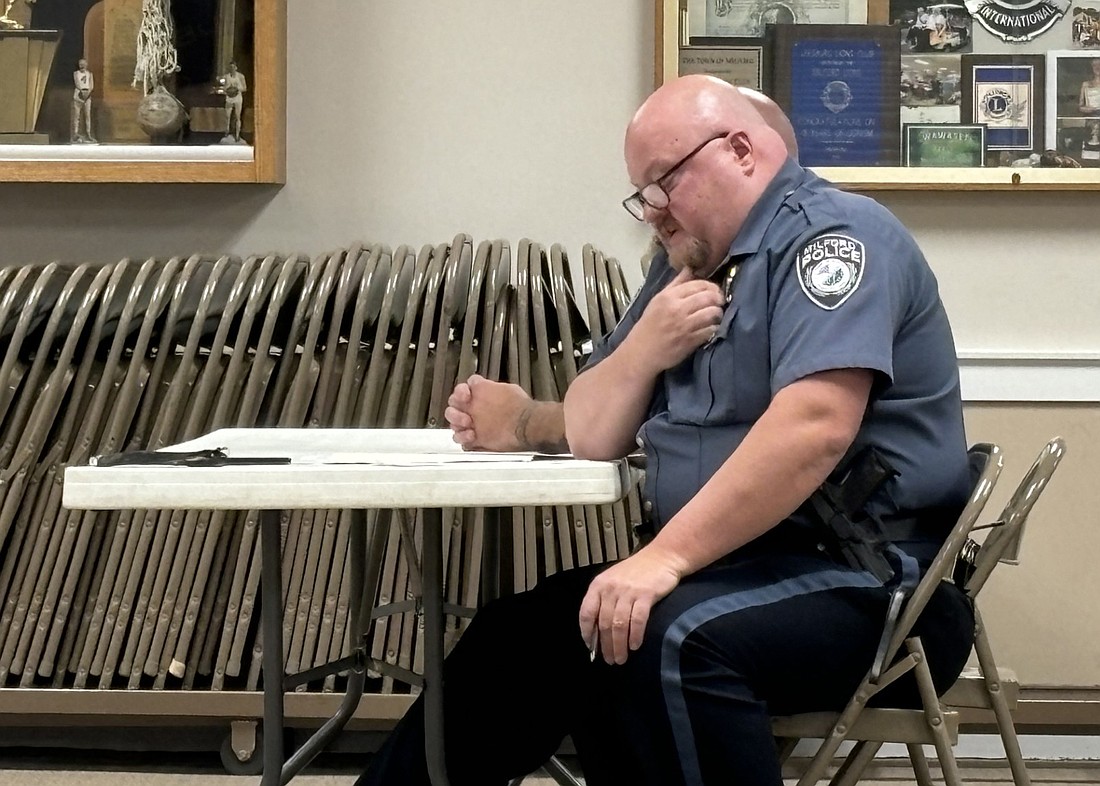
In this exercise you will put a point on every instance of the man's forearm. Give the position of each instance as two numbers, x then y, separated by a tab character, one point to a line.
541	427
606	404
786	455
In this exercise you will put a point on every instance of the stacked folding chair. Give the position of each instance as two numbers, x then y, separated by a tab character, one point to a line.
141	354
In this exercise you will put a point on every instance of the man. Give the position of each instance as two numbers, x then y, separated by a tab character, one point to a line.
786	327
83	85
502	416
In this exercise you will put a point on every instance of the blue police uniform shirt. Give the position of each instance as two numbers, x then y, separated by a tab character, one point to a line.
825	280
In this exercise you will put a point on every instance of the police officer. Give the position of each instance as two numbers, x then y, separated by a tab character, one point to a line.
786	325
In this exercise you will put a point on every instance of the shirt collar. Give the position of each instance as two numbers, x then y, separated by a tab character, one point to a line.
786	180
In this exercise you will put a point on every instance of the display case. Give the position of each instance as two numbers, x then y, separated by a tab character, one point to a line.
150	91
911	94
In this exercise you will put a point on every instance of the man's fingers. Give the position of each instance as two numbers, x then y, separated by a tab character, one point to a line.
618	641
589	615
682	275
639	618
460	396
457	419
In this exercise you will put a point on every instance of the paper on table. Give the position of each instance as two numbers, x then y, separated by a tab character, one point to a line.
409	459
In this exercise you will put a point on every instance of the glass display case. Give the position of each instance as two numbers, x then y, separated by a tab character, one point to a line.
142	90
908	94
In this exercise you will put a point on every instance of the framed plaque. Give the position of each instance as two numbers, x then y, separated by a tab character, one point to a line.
941	144
839	86
740	61
1005	93
750	17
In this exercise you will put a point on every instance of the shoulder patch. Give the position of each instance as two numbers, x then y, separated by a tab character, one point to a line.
830	268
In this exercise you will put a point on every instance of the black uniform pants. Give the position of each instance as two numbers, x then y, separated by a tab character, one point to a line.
734	644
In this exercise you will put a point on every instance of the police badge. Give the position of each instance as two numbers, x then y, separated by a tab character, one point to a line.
830	268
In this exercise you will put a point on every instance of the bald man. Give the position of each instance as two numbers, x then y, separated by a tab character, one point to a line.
487	415
787	332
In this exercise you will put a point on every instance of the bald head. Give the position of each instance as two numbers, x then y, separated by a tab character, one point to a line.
774	117
701	152
702	101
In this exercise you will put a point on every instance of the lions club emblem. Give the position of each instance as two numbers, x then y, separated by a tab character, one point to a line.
830	268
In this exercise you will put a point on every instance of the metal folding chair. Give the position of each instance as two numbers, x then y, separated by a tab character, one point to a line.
932	724
988	687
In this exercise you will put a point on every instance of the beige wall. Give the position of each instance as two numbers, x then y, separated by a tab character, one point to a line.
411	120
1042	615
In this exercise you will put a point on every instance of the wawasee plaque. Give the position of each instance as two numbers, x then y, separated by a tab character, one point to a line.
839	86
1005	93
944	144
740	61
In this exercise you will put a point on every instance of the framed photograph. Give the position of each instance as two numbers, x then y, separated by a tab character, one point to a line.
932	28
1005	93
143	91
1073	106
1085	27
931	88
750	17
740	61
935	144
839	86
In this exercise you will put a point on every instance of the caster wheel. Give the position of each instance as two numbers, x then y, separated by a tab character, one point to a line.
234	765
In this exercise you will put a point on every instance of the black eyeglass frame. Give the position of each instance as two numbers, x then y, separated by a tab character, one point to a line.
636	202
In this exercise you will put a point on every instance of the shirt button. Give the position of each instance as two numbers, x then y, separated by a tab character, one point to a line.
647	506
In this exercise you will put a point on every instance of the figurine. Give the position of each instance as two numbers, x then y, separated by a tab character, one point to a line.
84	84
232	85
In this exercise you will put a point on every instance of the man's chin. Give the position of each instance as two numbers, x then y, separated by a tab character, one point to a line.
690	255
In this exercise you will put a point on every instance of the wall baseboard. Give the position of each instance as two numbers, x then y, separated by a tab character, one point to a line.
1029	377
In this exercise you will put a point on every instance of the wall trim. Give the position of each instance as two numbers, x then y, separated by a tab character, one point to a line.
1030	376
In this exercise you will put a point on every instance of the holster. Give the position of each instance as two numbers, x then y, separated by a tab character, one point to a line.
849	533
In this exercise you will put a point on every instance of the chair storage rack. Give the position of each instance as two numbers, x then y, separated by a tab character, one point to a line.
156	611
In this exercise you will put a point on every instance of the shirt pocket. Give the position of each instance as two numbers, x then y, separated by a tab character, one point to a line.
736	369
691	394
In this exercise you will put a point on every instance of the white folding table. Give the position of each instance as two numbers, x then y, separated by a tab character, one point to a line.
354	469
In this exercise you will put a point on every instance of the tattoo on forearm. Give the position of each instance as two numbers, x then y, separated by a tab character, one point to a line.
521	426
551	445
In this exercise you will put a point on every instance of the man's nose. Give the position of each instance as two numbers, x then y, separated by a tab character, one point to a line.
651	214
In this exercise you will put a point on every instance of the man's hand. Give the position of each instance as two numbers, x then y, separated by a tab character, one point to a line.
484	415
681	318
615	611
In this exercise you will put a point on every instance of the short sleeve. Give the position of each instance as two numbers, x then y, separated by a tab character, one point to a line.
837	303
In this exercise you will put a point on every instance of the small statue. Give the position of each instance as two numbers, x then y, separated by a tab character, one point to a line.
1052	158
6	22
232	85
84	84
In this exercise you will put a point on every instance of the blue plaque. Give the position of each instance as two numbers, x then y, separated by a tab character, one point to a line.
839	86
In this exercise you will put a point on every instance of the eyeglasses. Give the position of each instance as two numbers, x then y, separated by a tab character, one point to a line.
656	194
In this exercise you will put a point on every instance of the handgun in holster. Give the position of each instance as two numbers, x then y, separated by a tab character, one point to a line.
849	533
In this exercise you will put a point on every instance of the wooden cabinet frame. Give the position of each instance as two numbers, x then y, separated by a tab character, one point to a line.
268	164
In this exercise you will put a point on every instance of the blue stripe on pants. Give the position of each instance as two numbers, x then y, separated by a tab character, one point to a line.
711	609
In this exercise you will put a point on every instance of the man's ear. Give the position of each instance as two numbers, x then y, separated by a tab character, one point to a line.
742	145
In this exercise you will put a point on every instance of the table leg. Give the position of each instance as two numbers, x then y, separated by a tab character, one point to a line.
272	622
353	693
432	567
